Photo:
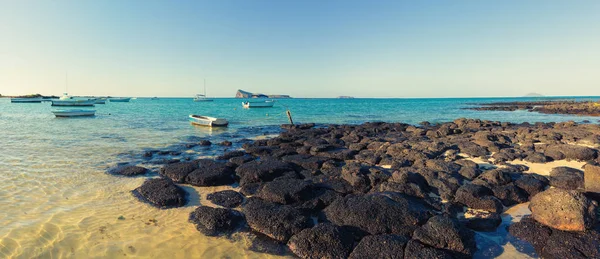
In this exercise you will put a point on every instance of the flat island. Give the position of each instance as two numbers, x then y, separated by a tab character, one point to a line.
392	189
584	108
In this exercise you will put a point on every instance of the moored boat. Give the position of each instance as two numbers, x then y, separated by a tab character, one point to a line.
202	97
74	102
100	101
119	100
258	104
26	100
207	121
74	113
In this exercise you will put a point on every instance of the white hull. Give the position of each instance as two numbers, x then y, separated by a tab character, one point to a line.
258	104
207	121
26	100
74	113
73	102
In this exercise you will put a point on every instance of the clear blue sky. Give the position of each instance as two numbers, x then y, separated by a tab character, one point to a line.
302	48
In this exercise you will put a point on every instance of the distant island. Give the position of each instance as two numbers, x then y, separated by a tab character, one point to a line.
345	97
244	94
533	95
29	96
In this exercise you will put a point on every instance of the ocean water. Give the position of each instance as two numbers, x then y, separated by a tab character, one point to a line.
56	201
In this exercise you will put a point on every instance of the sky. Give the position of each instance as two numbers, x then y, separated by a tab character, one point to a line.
312	48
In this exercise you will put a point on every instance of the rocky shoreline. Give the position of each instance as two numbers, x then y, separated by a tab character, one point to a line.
582	108
393	190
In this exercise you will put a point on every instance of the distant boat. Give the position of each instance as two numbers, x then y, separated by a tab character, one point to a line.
154	98
258	104
101	101
74	102
73	113
202	97
26	100
119	100
207	121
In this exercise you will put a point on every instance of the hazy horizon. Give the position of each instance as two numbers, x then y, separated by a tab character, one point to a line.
303	49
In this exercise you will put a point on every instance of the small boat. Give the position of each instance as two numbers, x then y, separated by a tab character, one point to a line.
74	113
154	99
26	100
119	100
258	104
74	102
207	121
100	101
202	97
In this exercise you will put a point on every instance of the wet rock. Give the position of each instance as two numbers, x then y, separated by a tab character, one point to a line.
564	210
416	249
210	173
228	198
285	191
226	143
262	170
446	233
128	170
484	221
380	246
231	154
531	184
178	171
566	178
322	241
379	214
161	193
478	197
510	194
279	222
205	143
215	221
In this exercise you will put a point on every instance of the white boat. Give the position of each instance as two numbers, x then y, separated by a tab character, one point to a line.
74	102
258	104
119	100
202	97
207	121
26	100
74	113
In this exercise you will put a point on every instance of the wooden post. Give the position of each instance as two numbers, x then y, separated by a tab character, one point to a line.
289	114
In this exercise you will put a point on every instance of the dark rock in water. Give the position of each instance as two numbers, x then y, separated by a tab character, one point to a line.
226	143
231	154
564	210
161	193
566	178
285	191
478	197
215	221
128	170
178	171
380	246
510	194
552	243
205	143
210	173
531	184
446	233
570	152
378	213
532	232
322	241
228	198
262	171
416	249
279	222
484	222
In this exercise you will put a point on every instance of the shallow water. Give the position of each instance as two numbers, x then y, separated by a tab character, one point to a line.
58	202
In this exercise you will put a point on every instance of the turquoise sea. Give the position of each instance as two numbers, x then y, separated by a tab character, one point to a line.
57	201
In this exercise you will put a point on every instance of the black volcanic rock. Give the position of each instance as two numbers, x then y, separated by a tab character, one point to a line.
279	222
210	173
380	246
566	178
262	170
161	193
128	170
446	233
322	241
178	171
215	221
228	198
285	191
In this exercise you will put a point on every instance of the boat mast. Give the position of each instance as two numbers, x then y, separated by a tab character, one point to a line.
66	82
204	87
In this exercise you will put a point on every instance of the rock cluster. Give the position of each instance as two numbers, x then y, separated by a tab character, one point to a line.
389	189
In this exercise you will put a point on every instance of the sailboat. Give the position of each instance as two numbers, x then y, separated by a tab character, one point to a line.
67	100
202	97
